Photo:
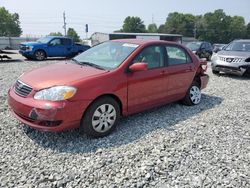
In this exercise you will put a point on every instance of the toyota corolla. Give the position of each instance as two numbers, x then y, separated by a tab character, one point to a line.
110	80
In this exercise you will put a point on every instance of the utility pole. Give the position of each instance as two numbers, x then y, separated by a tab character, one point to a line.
195	30
153	19
64	23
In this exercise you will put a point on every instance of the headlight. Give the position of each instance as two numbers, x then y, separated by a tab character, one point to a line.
56	93
29	48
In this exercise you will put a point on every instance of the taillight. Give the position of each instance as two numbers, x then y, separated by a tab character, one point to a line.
203	66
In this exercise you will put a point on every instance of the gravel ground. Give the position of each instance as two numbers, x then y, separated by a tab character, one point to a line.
172	146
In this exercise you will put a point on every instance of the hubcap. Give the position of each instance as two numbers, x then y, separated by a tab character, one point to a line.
195	94
104	118
40	55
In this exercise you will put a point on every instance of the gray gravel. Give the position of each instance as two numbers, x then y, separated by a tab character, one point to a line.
172	146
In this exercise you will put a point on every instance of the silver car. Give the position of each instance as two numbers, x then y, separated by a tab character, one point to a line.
233	59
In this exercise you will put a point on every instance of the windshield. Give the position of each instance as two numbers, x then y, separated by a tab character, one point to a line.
44	40
238	46
193	45
107	55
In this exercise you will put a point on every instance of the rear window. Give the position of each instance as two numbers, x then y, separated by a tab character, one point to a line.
66	41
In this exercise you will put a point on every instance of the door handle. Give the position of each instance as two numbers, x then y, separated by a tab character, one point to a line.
162	73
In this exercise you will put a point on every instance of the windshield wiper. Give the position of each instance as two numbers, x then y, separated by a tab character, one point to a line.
89	64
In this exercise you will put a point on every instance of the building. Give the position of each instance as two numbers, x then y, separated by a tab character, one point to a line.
97	37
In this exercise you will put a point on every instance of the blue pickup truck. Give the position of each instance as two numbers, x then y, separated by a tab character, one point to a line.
51	46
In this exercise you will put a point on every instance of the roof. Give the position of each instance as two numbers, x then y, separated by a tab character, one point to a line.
50	36
242	40
142	42
140	34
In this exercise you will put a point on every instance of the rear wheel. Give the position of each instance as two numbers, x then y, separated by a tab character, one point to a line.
193	95
40	55
101	117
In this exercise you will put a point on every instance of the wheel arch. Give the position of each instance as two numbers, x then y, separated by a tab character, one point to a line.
116	98
39	49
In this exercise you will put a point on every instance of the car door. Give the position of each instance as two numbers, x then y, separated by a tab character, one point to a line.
67	47
147	88
180	71
56	48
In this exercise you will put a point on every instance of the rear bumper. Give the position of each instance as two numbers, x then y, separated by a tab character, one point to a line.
204	81
47	115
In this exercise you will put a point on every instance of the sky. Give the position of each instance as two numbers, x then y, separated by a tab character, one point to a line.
39	18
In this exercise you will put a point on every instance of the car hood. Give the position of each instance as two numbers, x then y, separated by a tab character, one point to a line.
58	74
234	54
32	43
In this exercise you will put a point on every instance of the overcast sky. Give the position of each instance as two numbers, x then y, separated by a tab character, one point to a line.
45	16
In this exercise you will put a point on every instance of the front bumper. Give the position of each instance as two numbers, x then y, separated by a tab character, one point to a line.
231	68
47	115
26	53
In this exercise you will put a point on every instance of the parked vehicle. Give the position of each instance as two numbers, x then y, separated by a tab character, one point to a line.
51	46
201	48
218	47
234	58
112	79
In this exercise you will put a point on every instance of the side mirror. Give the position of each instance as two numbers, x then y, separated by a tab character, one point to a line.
138	67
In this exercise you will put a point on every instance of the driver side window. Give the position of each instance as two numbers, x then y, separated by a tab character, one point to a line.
55	42
152	55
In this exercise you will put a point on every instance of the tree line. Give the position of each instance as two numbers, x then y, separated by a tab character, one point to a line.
216	27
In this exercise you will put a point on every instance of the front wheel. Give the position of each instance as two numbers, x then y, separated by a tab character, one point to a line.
101	117
193	95
40	55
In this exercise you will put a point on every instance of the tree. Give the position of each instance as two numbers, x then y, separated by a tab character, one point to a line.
162	29
73	34
133	25
178	23
247	31
55	34
9	24
152	28
216	27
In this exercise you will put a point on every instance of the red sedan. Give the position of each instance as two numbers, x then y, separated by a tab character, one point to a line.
110	80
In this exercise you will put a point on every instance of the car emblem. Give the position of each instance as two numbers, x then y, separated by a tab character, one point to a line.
229	60
19	86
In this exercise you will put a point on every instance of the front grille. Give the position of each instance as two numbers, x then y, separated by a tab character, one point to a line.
231	60
22	89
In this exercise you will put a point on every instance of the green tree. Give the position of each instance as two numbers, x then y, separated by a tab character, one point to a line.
73	34
152	28
178	23
247	31
162	29
55	34
215	27
9	24
133	25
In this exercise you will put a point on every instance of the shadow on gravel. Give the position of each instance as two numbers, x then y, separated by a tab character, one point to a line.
129	129
11	61
244	77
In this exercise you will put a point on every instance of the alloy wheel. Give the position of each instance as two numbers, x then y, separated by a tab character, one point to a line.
195	94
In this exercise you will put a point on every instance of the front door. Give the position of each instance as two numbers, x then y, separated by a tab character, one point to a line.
56	48
147	88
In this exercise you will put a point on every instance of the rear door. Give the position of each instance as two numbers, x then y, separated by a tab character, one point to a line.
147	88
68	47
180	71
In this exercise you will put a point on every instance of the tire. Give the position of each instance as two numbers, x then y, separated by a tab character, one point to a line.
193	95
40	55
215	72
209	57
101	117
